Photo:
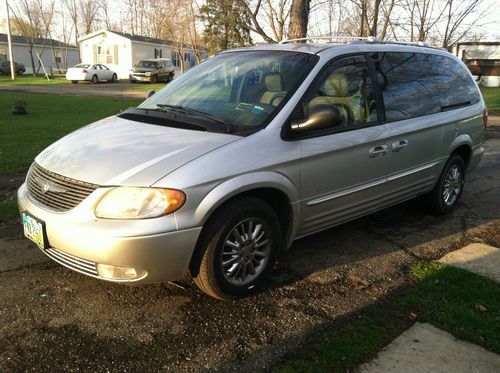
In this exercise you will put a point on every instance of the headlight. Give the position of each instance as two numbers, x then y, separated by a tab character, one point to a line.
139	203
147	73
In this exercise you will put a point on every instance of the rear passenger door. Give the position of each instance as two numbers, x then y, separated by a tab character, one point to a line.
363	164
411	86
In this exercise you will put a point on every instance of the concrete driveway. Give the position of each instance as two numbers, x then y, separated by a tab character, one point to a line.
53	319
121	89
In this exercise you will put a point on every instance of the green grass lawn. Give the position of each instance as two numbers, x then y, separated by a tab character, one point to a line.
492	98
5	80
449	298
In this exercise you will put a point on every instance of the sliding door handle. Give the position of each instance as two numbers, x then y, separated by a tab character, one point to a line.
378	151
399	145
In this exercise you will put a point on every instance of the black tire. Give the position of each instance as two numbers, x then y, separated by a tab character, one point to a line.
436	200
170	77
132	81
211	277
20	72
114	78
74	81
154	79
95	79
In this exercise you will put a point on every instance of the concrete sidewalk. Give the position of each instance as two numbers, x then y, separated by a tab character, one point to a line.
424	348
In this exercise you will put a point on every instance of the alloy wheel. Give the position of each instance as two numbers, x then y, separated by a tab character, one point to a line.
246	252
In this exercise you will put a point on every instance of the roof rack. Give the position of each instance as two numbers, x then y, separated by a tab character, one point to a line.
333	39
344	39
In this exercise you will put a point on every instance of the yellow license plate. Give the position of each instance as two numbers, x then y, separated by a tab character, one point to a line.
33	229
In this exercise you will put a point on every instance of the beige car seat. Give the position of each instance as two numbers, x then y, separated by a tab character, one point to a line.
336	91
274	93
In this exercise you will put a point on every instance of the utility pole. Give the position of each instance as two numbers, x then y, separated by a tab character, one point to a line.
11	55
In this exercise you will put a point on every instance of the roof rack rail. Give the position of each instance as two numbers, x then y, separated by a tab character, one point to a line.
417	43
343	39
333	39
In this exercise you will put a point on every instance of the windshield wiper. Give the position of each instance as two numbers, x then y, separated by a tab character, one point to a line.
182	109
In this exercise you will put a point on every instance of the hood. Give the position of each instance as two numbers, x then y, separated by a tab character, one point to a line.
143	69
117	151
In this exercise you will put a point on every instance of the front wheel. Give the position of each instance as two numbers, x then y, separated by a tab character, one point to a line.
240	246
74	81
114	78
154	79
446	194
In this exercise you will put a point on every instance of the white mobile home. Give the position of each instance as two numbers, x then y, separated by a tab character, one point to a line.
483	60
121	51
53	53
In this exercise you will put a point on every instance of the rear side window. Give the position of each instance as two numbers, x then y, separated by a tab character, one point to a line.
416	84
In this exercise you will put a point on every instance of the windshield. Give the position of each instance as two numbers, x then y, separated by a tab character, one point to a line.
243	89
147	64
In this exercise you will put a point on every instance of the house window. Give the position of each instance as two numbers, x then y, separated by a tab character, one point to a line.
176	59
3	54
187	57
104	54
57	56
158	53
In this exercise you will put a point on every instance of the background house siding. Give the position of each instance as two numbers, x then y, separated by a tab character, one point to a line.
69	56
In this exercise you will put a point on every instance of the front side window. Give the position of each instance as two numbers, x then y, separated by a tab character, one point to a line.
416	84
242	88
346	88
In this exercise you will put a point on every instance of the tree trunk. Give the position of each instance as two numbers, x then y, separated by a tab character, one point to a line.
30	49
299	18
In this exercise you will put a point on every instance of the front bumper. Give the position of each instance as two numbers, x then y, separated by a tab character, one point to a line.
81	242
140	78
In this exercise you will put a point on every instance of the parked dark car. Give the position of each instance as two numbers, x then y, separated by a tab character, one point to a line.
5	68
152	71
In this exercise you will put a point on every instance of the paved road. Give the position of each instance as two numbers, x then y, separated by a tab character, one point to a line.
53	319
117	90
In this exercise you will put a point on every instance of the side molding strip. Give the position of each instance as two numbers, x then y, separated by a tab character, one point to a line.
370	184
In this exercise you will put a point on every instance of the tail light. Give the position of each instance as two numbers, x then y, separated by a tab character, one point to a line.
85	71
485	118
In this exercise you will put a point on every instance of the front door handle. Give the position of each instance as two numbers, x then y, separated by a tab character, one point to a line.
378	151
399	145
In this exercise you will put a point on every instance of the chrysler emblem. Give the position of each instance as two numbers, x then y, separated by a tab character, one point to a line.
47	186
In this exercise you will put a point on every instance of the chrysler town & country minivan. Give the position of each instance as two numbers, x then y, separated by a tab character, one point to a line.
224	168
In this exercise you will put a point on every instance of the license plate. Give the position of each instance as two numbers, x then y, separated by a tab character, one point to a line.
34	229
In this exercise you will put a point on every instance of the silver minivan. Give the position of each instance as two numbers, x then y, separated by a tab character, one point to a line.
225	167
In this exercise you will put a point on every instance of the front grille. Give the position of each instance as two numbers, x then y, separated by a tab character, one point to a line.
75	263
57	192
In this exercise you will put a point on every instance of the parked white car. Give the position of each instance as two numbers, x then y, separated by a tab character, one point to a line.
93	73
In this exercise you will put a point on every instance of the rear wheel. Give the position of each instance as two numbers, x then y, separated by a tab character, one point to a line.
240	246
446	194
74	81
95	79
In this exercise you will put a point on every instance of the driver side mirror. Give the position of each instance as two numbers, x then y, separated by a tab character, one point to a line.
322	117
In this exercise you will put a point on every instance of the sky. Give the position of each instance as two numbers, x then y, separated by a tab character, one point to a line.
490	27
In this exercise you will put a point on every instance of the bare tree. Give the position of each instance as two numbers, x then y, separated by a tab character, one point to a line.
457	12
34	17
